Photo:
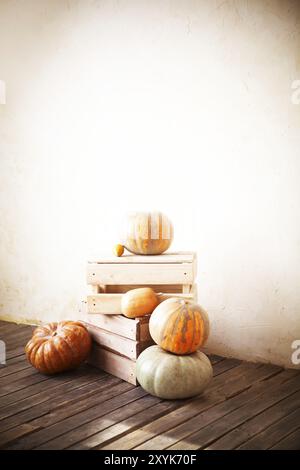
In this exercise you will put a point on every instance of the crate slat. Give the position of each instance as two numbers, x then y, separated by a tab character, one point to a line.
116	343
118	324
113	363
181	273
110	304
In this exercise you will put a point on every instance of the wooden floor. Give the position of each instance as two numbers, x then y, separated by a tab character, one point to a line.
247	406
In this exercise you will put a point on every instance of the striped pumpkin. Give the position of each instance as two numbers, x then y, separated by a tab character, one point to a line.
179	326
148	233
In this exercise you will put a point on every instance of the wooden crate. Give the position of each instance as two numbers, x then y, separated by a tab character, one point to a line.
113	363
168	274
172	268
119	340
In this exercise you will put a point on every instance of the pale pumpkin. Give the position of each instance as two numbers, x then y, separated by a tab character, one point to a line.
148	233
169	376
57	347
179	326
139	302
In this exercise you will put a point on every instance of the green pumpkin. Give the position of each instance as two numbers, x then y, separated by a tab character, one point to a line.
170	376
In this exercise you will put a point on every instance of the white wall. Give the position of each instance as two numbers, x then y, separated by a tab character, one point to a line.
184	106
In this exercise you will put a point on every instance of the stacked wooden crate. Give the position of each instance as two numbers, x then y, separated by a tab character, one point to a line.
118	340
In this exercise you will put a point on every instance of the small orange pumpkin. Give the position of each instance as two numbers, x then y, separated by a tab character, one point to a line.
57	347
139	302
179	326
118	250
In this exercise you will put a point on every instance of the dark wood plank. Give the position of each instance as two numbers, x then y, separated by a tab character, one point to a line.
52	407
71	406
291	442
222	366
114	424
17	432
235	417
17	336
102	408
16	333
138	413
261	422
10	388
115	438
17	376
12	368
173	433
274	433
18	351
7	329
67	382
14	360
214	358
186	413
45	385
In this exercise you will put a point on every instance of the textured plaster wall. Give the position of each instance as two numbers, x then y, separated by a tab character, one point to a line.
184	106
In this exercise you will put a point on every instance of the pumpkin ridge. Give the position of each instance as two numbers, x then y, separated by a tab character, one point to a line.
194	329
186	316
198	329
201	329
173	333
60	339
34	348
47	357
160	226
77	354
40	353
149	235
178	331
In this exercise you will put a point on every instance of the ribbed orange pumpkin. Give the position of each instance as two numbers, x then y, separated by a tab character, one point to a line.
57	347
148	233
179	326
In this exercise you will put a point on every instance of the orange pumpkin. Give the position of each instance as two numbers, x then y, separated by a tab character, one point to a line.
139	302
148	233
57	347
179	326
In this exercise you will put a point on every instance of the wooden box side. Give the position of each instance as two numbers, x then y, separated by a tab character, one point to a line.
118	344
136	274
117	324
113	363
110	304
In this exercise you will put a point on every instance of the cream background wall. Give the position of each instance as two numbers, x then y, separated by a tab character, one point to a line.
184	106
